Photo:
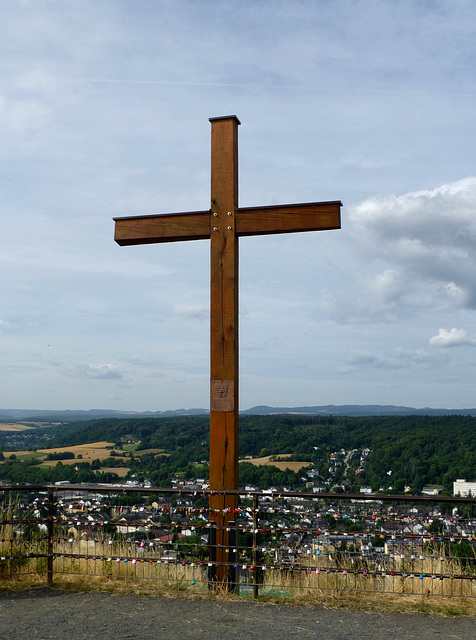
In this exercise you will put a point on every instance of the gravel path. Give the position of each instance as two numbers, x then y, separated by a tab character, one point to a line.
48	614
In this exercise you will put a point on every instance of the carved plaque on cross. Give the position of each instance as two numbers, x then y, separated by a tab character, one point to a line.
222	395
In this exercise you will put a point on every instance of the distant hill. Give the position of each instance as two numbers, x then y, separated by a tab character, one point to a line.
71	415
358	410
261	410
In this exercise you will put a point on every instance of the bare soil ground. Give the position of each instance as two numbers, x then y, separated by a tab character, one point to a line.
53	614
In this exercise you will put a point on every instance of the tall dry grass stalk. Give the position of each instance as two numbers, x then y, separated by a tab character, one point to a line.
121	561
19	555
422	576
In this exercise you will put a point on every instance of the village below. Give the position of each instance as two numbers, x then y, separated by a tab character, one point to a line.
319	494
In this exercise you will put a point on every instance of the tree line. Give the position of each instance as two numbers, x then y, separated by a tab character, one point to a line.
405	451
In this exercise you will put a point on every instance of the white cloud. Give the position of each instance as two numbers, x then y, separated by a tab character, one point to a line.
426	237
101	371
4	324
388	286
397	359
452	338
386	296
191	311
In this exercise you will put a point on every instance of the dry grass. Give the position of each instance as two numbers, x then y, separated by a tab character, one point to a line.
385	603
5	426
119	471
182	587
92	451
142	452
100	566
376	584
294	466
104	567
89	452
280	464
14	551
380	591
125	568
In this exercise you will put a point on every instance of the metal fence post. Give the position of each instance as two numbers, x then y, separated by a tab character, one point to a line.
212	555
49	539
255	547
233	571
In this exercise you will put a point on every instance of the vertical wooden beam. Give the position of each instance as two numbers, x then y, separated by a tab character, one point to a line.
224	223
223	335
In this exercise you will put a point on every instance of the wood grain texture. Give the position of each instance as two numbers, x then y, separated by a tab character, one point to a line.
288	218
224	299
245	221
166	227
223	331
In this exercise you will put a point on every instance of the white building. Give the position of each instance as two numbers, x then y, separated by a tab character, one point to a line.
463	488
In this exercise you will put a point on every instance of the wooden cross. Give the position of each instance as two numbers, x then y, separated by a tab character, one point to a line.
223	224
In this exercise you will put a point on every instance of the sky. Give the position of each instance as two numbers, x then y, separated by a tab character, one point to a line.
104	110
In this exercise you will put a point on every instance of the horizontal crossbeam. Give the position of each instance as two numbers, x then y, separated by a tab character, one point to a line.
249	221
164	227
288	218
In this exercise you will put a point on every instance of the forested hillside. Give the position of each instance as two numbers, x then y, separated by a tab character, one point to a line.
384	452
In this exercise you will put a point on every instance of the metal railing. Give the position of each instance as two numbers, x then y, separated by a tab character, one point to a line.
278	542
